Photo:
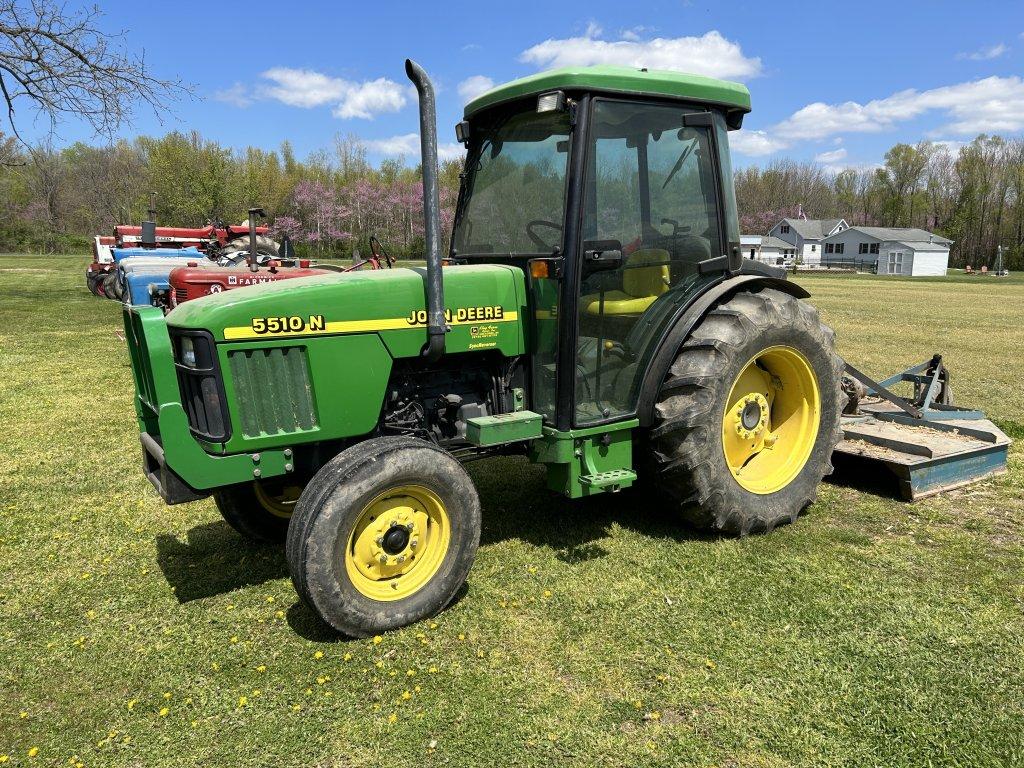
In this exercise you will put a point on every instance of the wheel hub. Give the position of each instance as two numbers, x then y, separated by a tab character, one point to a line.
396	539
751	415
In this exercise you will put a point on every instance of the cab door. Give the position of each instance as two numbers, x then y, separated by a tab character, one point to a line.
652	228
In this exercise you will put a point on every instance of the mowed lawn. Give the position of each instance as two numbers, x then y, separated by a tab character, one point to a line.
599	633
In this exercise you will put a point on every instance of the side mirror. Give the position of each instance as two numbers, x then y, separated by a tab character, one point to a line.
601	255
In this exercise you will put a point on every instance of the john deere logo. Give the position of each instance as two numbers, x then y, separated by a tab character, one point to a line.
459	315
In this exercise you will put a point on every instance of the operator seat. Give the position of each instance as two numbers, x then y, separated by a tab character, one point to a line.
641	285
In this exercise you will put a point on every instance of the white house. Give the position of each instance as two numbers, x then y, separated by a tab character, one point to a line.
768	249
895	250
806	235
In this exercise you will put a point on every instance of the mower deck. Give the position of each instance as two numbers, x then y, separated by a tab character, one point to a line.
927	457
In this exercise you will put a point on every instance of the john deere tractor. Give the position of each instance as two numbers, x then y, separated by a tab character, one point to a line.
594	313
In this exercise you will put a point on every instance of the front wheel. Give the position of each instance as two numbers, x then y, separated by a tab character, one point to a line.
259	510
749	415
384	535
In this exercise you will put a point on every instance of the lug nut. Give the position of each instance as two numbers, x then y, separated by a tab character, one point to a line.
256	472
408	526
380	540
401	558
414	543
383	559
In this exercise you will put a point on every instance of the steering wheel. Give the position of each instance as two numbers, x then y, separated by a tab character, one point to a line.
535	237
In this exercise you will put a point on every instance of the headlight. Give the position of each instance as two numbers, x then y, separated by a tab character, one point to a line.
188	352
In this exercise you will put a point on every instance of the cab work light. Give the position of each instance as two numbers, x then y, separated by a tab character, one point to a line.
553	101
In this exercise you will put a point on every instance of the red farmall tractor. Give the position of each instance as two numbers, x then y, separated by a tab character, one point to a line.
195	280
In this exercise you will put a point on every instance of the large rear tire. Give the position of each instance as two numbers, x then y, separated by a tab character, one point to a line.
260	511
264	247
384	535
748	416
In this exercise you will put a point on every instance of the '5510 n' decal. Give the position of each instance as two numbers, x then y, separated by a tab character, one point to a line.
292	324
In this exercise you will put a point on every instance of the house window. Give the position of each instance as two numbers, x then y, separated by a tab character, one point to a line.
840	247
863	248
874	247
830	248
895	262
784	229
814	248
751	253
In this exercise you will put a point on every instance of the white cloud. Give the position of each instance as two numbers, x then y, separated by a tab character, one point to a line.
237	96
984	54
993	104
371	98
306	88
754	143
302	87
831	157
473	86
952	145
711	54
408	145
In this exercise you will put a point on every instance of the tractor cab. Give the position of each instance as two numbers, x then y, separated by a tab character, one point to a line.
611	188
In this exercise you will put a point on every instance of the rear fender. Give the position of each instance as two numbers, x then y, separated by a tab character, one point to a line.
681	328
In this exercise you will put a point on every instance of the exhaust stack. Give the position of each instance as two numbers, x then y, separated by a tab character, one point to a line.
437	327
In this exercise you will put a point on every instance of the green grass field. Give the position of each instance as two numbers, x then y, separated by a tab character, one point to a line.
870	633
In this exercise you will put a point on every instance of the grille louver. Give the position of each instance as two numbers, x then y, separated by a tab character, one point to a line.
273	390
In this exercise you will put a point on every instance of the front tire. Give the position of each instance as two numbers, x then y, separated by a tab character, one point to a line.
384	535
260	511
749	415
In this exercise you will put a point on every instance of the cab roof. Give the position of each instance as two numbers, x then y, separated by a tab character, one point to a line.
734	97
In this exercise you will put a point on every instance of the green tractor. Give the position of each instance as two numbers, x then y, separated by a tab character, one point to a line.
593	313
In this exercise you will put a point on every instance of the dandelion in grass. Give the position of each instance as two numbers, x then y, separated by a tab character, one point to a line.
406	695
348	657
377	639
318	655
33	752
164	711
392	718
243	701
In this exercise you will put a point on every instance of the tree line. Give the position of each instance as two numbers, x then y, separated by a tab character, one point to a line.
54	199
972	194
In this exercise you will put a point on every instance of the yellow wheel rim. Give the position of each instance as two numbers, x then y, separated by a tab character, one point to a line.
398	543
771	420
280	503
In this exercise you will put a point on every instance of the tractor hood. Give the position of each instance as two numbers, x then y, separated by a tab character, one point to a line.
484	305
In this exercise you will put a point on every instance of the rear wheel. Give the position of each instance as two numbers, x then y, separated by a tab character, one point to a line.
109	286
264	247
384	535
260	511
748	415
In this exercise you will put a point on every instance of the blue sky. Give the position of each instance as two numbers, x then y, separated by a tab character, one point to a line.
840	82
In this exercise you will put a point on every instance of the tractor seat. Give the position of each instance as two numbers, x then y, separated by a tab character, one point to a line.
641	285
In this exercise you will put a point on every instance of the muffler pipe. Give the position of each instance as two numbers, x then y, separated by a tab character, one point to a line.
437	326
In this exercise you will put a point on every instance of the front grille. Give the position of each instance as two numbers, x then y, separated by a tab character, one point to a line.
273	390
180	295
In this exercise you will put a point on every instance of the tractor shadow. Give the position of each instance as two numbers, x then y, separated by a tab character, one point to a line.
517	504
214	560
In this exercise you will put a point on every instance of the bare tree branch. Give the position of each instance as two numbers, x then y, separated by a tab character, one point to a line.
60	64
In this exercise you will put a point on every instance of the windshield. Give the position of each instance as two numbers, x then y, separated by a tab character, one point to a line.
513	199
